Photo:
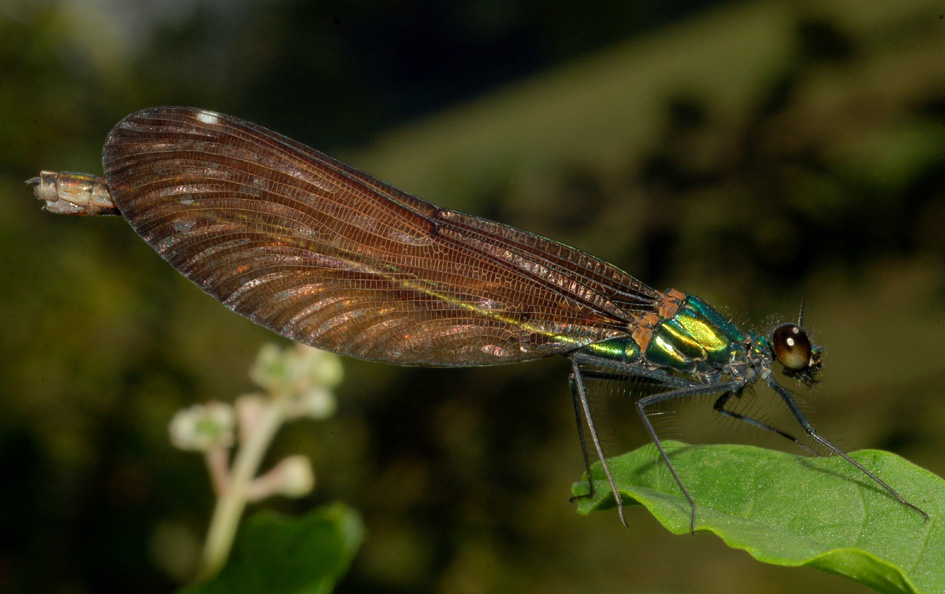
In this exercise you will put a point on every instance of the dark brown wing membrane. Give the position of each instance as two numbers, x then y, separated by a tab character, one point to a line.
330	256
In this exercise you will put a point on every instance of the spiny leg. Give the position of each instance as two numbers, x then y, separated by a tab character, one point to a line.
675	395
809	429
580	426
719	407
582	409
580	395
579	415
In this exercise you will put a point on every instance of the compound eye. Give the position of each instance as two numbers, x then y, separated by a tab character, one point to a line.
791	346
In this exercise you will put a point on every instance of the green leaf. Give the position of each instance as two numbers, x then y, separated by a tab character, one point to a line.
279	555
794	510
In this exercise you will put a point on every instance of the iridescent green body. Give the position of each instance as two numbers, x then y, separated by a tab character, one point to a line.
697	340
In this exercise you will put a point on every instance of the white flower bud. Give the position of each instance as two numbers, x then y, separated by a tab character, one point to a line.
317	403
294	371
293	477
203	427
298	479
269	369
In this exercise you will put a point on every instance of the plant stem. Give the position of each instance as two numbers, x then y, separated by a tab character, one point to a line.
232	501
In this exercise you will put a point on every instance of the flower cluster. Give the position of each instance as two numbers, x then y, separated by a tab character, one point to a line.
298	383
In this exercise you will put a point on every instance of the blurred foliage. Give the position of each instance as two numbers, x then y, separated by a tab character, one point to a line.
280	555
756	154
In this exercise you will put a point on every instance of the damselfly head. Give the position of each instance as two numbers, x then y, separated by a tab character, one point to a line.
793	349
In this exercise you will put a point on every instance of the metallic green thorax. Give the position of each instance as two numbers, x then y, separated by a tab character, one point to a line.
697	339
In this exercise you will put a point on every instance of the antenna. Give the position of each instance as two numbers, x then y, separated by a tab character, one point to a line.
800	316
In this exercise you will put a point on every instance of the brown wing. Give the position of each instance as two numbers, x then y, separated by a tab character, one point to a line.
327	255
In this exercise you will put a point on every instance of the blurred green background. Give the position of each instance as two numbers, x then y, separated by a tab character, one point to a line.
753	153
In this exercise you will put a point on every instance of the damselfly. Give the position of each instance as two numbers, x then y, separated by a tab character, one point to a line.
327	255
